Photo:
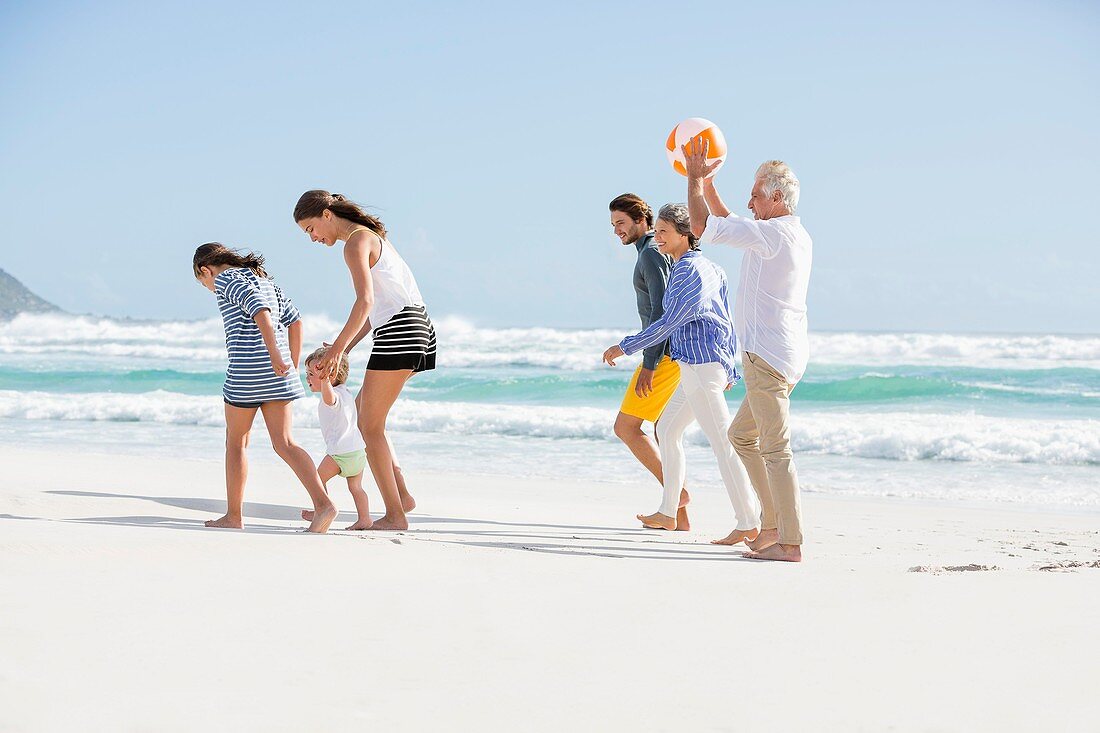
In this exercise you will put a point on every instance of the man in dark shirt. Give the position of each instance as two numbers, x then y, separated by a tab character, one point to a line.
657	376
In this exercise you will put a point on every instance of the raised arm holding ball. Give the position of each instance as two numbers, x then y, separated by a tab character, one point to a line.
772	329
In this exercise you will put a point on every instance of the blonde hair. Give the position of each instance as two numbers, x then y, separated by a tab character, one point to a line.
341	372
778	176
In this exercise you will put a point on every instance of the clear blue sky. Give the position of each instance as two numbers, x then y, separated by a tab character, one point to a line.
948	152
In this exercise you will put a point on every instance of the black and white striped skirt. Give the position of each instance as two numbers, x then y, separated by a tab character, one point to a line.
406	341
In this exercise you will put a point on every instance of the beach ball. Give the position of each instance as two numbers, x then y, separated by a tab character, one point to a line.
689	129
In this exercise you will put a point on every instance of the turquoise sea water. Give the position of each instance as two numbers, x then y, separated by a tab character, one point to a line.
1002	418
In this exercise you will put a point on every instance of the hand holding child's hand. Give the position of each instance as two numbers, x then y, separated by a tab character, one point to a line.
329	364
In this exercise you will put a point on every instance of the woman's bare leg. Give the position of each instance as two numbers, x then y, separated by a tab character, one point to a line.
277	415
407	502
380	391
238	423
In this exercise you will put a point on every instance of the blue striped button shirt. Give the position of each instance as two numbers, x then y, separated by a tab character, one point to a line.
696	318
250	377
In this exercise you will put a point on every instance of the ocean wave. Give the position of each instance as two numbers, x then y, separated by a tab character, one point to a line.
897	436
1047	389
982	351
464	345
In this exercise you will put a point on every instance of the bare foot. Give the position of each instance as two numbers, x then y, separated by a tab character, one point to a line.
323	519
738	536
408	503
361	524
657	521
783	553
307	514
683	524
767	538
387	523
225	522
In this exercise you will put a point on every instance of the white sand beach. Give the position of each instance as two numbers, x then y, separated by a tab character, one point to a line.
524	606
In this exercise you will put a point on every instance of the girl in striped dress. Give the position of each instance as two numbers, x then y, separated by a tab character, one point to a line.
697	322
263	335
387	301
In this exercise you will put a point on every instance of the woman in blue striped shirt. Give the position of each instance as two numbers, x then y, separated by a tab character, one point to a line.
263	335
697	322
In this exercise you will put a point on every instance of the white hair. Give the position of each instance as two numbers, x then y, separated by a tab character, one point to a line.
778	176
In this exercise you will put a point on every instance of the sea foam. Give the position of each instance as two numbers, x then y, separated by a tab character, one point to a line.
463	345
896	436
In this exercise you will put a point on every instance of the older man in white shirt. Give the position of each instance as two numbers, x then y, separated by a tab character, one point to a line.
770	318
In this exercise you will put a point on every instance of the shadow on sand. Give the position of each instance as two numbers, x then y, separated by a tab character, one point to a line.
563	539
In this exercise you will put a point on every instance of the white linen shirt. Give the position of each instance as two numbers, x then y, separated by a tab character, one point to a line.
770	308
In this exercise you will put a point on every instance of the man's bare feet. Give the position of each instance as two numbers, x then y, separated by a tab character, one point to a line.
767	538
683	524
738	536
323	519
387	523
657	521
225	522
783	553
361	524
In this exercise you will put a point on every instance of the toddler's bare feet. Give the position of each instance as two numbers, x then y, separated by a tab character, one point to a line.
657	521
362	524
388	523
738	536
225	522
323	519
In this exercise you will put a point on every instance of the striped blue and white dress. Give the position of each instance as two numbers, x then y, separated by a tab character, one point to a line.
696	319
250	379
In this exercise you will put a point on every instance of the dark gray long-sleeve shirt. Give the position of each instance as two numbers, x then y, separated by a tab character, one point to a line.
650	279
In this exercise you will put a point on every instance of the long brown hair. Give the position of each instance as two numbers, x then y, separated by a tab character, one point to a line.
313	203
213	254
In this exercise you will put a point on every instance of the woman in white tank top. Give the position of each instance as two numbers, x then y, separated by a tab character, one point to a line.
387	301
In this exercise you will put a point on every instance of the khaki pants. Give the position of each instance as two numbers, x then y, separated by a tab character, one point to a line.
761	435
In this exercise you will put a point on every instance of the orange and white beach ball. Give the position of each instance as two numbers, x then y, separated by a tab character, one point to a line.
689	129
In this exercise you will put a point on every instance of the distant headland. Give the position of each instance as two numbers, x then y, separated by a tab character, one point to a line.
15	298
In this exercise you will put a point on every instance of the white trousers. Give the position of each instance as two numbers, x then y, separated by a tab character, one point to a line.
700	397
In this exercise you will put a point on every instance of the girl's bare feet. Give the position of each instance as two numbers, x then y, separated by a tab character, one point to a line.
407	502
323	519
657	521
737	536
387	523
225	522
307	514
361	524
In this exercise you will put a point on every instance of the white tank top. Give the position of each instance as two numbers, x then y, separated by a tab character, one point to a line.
394	286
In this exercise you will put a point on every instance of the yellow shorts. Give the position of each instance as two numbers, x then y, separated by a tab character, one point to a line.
666	378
